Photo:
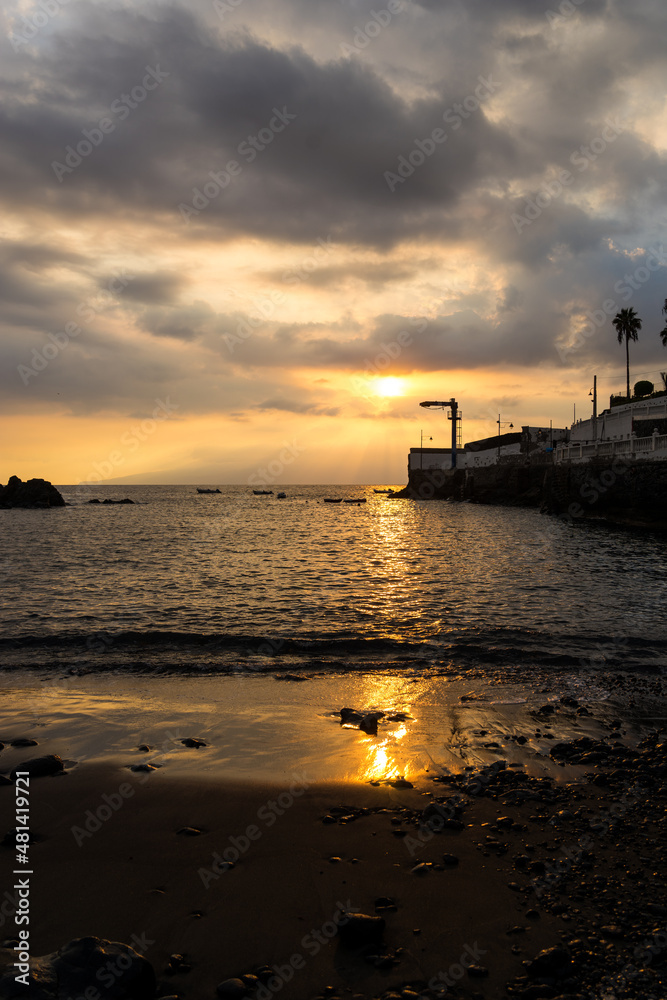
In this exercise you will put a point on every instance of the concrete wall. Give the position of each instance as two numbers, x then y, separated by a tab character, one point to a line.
480	459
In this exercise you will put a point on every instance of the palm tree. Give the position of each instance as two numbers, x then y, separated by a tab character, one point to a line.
663	333
628	325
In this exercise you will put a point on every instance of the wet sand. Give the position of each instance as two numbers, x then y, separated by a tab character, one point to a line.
522	855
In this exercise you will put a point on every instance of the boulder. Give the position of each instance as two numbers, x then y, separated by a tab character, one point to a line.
38	767
36	493
358	930
77	969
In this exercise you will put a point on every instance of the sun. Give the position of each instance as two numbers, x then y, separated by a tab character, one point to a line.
389	386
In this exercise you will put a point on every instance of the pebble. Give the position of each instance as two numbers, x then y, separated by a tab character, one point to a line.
24	742
361	930
231	989
189	831
421	869
191	741
144	767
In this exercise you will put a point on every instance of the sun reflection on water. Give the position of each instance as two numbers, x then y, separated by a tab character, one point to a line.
383	757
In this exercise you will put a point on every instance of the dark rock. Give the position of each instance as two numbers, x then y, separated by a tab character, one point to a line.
401	783
551	962
450	859
612	931
366	721
189	831
23	741
36	493
39	767
78	968
231	989
191	741
144	748
360	930
177	963
422	869
144	767
477	971
385	903
109	501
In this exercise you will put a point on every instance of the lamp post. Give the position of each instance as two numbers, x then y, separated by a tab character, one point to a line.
594	394
501	423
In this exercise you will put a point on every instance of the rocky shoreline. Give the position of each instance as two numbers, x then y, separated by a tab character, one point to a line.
495	882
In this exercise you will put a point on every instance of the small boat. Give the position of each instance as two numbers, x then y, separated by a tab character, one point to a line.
383	491
263	493
207	491
333	500
361	500
281	496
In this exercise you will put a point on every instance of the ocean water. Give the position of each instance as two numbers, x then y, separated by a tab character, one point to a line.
183	582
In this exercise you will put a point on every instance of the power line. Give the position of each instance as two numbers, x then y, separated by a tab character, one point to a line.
656	371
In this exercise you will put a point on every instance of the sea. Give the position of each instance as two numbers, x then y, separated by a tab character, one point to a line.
180	582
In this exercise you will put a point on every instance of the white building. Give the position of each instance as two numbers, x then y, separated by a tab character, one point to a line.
516	447
633	430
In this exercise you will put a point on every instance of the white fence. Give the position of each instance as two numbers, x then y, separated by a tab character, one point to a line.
647	448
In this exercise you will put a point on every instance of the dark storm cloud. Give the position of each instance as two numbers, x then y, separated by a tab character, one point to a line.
156	289
295	406
324	173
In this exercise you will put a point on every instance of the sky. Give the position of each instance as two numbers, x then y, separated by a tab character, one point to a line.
243	239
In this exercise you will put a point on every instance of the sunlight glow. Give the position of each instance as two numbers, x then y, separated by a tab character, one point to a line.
390	386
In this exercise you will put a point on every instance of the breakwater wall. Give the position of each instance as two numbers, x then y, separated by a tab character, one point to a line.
615	490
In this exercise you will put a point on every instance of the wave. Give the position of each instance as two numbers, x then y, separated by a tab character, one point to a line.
218	652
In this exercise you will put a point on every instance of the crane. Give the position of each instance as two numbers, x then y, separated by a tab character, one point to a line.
454	407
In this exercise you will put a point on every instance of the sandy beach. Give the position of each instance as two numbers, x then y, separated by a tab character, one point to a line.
522	874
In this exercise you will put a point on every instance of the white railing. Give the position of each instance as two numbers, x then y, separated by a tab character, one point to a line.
646	448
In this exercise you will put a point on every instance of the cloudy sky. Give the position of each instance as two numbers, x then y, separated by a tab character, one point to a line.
251	233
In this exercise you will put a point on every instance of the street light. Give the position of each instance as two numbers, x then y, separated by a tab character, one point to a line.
421	448
501	423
